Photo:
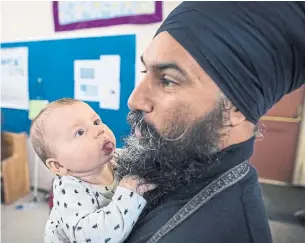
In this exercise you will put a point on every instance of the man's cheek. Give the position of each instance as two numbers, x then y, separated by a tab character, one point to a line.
176	124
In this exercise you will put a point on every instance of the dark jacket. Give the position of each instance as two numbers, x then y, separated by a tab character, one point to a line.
236	215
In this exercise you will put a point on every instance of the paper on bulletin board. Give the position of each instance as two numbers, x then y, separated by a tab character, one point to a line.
14	78
86	80
98	81
35	106
110	84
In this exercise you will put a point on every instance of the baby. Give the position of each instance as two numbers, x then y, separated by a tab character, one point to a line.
90	205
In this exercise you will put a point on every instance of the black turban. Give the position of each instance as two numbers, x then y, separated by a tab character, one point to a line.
254	51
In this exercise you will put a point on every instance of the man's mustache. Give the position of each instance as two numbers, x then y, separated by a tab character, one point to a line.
136	119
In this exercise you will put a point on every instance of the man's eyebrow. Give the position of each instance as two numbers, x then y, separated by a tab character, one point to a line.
164	66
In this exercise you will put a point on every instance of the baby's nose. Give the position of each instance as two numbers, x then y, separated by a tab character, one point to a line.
100	132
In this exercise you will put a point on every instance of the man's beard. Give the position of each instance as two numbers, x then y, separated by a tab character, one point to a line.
180	158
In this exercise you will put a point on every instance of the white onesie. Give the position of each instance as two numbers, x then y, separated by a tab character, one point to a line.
86	213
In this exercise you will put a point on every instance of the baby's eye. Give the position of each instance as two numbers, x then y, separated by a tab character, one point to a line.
97	122
79	133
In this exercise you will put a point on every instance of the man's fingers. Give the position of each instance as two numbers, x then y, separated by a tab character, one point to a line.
147	187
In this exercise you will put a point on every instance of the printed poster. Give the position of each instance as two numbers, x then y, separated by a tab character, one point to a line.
71	15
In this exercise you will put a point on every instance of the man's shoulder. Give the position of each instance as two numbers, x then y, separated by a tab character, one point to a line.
228	217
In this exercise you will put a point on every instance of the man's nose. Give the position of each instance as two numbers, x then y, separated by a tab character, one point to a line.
140	98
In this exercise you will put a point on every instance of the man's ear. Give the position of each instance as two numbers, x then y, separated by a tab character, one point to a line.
55	167
234	115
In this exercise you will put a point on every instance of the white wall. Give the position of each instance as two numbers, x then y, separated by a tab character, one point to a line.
33	20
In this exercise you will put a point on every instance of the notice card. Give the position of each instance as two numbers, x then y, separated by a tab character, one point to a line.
14	78
35	107
86	80
110	84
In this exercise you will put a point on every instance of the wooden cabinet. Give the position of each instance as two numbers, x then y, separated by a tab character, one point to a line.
14	167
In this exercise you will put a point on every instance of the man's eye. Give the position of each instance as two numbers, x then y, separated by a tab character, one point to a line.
167	83
97	122
79	133
143	71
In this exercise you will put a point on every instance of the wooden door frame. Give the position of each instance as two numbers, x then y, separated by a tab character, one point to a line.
299	168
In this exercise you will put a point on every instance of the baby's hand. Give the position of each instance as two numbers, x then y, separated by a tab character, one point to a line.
136	185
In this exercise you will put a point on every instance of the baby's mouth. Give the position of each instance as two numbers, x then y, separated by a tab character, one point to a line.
138	133
108	147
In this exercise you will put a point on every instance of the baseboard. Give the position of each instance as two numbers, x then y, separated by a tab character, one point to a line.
274	182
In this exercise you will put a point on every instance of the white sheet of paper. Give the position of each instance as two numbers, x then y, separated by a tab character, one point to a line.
14	78
110	85
86	80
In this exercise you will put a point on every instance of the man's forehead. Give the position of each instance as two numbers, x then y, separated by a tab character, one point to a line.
163	48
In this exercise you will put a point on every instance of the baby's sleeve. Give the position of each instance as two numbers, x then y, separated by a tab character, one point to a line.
83	222
51	234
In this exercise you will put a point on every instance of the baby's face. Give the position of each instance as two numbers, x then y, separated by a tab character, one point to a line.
78	138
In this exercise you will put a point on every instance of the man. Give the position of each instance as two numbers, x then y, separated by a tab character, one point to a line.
212	70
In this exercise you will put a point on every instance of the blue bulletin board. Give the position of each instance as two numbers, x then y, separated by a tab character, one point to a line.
52	61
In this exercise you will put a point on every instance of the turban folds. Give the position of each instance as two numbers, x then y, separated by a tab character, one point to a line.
254	51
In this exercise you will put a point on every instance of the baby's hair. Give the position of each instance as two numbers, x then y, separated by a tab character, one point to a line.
37	130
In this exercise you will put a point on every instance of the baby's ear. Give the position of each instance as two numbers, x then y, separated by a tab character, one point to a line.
55	167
